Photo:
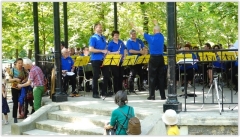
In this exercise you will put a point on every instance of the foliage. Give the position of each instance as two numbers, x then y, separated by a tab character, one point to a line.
197	23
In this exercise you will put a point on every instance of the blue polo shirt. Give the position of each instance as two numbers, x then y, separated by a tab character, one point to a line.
98	42
134	45
156	43
113	47
67	63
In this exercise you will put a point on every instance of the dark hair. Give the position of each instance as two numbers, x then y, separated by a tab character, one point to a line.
208	45
195	47
216	46
188	45
115	32
18	60
121	98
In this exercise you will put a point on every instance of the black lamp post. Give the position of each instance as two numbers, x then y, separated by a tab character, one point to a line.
172	102
59	95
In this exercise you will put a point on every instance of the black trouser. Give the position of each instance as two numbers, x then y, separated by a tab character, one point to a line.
96	65
156	73
88	75
15	96
165	79
26	102
117	73
134	70
66	80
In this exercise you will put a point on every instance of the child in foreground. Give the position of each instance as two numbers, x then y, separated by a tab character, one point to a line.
170	118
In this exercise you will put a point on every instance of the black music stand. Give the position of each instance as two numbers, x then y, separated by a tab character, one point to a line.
111	60
129	61
183	59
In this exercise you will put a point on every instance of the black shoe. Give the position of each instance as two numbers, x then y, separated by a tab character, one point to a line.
96	96
141	89
15	120
151	98
163	98
131	91
32	111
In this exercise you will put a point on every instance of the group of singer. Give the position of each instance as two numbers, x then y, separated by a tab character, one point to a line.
98	48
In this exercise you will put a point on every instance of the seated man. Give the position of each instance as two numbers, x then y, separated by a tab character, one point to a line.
68	66
189	69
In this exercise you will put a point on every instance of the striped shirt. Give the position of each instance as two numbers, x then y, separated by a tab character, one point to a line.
36	76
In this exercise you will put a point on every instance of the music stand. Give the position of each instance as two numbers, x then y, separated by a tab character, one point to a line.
184	59
144	59
227	56
80	62
112	60
74	57
129	61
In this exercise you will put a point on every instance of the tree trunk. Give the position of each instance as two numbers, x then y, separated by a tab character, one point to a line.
30	53
198	32
16	53
145	17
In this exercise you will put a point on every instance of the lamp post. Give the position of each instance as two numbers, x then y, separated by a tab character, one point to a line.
59	95
36	32
172	102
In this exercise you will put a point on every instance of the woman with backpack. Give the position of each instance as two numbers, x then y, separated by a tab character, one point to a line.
118	116
17	75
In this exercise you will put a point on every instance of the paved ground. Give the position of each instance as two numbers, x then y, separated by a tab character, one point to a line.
140	101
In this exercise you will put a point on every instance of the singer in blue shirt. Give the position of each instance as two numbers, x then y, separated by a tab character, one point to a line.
117	46
135	47
98	49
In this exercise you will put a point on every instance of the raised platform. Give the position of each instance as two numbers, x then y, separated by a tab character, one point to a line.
53	118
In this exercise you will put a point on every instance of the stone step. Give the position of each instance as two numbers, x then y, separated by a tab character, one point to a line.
88	110
104	110
70	128
76	117
41	133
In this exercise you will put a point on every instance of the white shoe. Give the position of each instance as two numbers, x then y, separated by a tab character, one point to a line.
6	123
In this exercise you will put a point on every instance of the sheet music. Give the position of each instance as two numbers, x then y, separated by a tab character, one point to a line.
187	61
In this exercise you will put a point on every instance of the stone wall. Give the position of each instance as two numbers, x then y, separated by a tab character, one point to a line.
212	130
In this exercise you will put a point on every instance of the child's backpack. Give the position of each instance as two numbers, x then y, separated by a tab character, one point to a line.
134	125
